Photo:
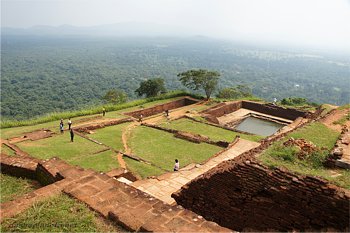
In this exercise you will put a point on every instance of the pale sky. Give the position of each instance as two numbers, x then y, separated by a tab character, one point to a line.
323	23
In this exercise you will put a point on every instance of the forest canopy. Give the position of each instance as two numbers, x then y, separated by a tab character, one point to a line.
48	74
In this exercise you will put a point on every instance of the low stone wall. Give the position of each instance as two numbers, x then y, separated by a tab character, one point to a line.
19	166
223	108
86	129
162	107
195	138
246	196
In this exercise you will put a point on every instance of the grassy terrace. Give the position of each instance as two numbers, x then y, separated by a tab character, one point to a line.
142	169
214	133
161	148
323	137
81	152
58	214
13	187
110	136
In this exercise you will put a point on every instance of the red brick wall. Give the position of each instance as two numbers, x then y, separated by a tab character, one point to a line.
247	196
223	108
287	113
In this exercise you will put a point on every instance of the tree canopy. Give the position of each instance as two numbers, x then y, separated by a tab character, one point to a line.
151	87
235	92
200	79
115	96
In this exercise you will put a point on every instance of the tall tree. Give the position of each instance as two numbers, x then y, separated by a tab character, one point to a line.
151	87
115	96
200	79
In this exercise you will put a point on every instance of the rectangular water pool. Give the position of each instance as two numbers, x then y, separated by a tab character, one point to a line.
258	126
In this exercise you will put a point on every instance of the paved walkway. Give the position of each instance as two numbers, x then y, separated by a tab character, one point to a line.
163	186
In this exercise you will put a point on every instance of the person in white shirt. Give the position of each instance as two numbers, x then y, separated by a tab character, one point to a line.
177	165
69	123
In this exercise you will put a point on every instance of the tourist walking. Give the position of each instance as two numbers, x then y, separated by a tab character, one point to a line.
69	124
71	135
177	165
61	126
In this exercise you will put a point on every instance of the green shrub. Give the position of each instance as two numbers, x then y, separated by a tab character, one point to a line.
285	153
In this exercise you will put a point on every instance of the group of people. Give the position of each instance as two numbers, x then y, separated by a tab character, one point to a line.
69	128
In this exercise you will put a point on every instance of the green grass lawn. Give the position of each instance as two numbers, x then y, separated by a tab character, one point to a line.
60	146
142	169
58	214
214	133
13	187
110	136
53	126
102	162
7	150
161	148
278	155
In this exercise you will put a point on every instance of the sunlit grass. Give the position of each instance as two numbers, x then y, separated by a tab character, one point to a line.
142	169
110	136
102	162
60	146
214	133
161	148
278	155
57	214
13	187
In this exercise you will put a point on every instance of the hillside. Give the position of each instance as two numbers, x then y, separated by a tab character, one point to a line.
127	156
45	74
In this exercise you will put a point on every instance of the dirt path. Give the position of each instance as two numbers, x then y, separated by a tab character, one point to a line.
126	134
336	115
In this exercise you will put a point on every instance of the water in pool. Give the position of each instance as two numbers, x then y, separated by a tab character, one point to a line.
258	126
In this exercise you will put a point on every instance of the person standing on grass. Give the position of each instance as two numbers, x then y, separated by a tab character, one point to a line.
69	123
61	126
177	165
103	112
71	135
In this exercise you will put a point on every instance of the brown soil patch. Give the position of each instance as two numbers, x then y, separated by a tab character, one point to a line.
335	116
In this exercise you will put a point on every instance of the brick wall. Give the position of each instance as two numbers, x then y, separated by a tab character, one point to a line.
162	107
244	195
287	113
222	109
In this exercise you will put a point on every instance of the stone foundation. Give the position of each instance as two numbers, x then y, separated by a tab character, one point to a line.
246	196
121	203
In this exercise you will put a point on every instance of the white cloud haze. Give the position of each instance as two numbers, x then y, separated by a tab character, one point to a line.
323	23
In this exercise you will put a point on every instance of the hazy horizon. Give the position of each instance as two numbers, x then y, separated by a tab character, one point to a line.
313	23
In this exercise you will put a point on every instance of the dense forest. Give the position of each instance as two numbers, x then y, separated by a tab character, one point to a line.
47	74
